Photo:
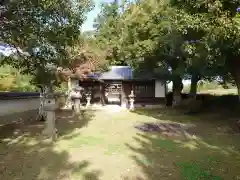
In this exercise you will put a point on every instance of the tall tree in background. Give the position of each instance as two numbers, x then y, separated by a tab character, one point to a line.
109	30
220	20
146	41
177	39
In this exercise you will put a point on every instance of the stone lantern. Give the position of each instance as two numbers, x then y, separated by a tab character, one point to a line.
49	108
131	100
88	99
76	96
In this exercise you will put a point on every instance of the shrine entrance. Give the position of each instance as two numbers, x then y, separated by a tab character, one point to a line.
113	91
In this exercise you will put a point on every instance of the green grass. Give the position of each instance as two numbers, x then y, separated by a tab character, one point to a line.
220	91
104	145
194	172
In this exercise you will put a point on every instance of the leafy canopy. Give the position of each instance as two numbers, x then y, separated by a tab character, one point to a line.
41	31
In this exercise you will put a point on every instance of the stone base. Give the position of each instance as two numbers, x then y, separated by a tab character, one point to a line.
124	106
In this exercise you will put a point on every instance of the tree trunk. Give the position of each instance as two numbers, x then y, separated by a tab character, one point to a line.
176	98
238	92
41	115
237	81
193	87
177	89
234	66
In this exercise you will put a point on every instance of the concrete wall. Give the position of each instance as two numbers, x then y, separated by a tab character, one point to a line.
8	107
160	90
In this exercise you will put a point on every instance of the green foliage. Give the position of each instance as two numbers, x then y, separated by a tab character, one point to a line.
220	26
155	41
198	39
40	31
62	88
12	80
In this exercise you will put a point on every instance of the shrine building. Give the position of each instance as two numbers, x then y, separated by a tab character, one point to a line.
115	86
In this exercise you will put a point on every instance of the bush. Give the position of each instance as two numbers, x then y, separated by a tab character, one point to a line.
12	80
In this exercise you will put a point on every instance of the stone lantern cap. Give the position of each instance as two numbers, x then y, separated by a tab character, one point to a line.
50	104
78	88
50	96
88	94
76	94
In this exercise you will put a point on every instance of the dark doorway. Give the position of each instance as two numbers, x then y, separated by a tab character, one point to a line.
113	91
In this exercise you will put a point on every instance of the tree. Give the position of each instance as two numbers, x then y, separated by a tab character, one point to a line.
40	31
175	39
146	40
220	20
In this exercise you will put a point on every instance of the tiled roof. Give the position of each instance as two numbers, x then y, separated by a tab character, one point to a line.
122	73
118	73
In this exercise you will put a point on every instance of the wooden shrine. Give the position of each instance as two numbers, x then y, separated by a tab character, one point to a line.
115	86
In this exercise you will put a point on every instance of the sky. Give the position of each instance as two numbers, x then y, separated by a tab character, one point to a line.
87	26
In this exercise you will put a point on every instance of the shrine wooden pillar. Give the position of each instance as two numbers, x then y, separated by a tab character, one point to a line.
102	94
123	96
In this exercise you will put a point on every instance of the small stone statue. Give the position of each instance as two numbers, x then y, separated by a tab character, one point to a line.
131	99
76	97
88	100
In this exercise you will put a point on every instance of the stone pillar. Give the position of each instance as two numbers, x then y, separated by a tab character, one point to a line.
68	103
131	100
41	115
102	94
50	123
123	97
76	96
77	103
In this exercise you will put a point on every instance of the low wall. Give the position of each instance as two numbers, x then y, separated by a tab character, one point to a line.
12	106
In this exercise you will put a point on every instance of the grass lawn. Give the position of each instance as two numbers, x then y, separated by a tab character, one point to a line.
220	91
104	145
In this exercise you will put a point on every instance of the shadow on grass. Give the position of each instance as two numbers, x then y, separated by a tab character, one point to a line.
67	122
25	154
212	153
161	158
213	128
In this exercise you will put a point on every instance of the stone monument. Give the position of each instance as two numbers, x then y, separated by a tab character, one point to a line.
131	100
